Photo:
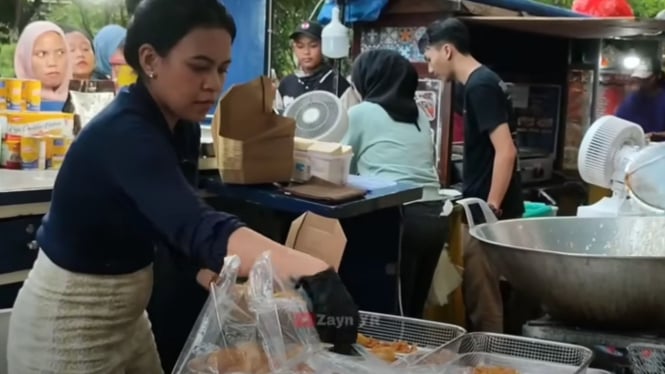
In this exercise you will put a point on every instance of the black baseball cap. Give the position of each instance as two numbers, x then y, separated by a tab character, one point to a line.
308	28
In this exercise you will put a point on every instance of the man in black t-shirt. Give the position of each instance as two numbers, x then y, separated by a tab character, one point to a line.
490	157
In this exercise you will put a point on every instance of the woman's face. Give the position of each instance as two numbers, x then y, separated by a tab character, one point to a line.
189	79
50	59
117	60
83	59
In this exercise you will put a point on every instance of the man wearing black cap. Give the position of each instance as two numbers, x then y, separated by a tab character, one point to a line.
313	73
490	157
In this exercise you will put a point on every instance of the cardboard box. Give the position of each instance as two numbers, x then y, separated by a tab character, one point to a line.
253	144
318	236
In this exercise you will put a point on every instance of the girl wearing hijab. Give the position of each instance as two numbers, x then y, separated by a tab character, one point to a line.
128	183
108	44
391	139
81	52
42	54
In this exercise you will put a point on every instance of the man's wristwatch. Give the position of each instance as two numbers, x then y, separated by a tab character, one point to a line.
497	211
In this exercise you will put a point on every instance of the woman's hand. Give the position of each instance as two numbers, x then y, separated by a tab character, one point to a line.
288	263
206	277
291	264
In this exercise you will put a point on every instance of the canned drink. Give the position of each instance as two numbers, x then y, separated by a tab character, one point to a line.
30	148
14	89
32	95
56	162
57	152
11	152
3	94
126	76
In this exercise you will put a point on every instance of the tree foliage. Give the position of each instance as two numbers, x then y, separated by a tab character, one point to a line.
91	15
287	15
86	15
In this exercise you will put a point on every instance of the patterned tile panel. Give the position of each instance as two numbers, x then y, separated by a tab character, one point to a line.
402	39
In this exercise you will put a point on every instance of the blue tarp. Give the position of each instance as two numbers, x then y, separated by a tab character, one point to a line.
531	7
370	10
249	47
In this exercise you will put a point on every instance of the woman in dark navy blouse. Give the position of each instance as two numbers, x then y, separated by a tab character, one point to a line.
123	189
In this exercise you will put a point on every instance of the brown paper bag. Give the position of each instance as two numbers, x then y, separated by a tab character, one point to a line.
318	236
254	145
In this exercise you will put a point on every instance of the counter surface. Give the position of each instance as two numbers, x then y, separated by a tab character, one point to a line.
26	180
26	186
381	195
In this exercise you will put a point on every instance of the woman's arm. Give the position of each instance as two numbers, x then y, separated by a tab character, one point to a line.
146	170
289	263
353	137
350	98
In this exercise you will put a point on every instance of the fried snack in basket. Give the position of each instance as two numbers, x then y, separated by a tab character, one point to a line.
247	358
386	354
494	370
386	351
400	347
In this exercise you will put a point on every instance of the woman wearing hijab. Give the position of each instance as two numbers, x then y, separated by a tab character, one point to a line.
127	184
391	139
42	54
81	52
108	45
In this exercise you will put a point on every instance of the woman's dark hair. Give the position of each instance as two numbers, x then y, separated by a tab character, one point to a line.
163	23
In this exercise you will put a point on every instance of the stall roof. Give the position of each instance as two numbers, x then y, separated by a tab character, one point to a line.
576	28
531	7
370	10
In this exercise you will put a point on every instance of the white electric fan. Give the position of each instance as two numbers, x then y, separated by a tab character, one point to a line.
319	115
614	154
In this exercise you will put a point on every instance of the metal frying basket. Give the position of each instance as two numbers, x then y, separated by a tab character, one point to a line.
511	351
646	358
423	333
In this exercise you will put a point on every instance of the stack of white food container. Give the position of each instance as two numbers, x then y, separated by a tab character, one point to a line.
328	161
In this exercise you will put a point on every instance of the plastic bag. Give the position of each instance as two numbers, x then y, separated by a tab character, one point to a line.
262	326
434	362
258	327
86	99
326	362
284	323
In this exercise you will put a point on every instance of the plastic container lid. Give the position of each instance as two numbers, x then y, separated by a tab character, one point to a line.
52	106
532	210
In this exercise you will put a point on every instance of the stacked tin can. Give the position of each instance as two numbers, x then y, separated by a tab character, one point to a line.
27	137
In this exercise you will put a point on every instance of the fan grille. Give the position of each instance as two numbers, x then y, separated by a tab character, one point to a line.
315	115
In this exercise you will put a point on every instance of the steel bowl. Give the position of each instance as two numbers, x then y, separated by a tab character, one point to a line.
594	272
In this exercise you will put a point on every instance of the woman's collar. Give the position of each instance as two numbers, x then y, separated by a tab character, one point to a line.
145	102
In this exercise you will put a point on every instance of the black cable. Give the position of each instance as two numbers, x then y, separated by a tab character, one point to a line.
337	66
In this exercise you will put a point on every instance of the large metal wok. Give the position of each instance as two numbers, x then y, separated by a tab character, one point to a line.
595	272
